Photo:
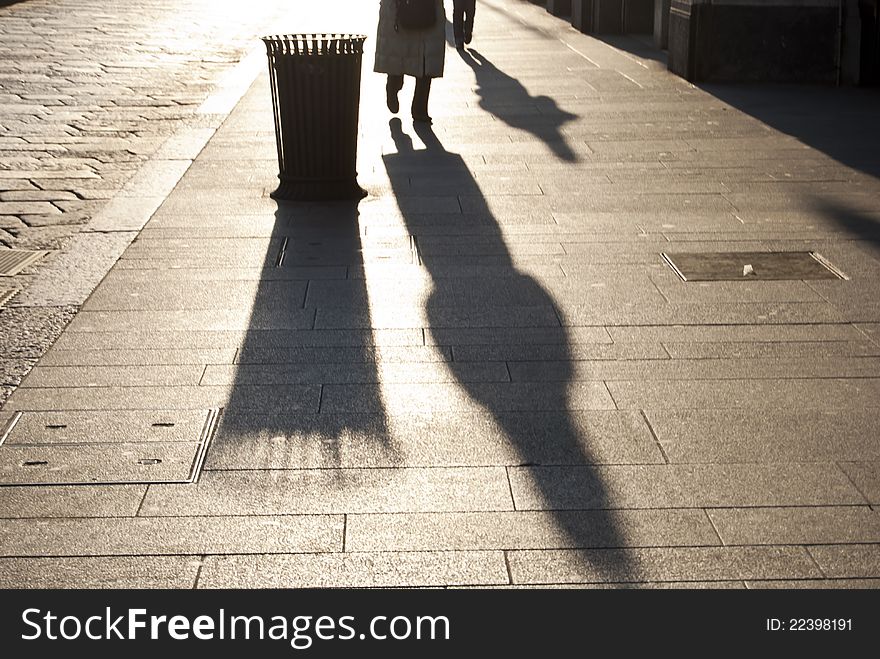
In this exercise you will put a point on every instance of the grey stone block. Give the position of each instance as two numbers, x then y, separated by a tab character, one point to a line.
753	333
163	339
765	291
100	572
390	316
355	570
344	354
848	561
113	376
796	526
504	337
71	501
526	530
333	492
385	373
661	564
134	357
698	369
208	295
682	313
816	584
616	352
735	436
171	535
679	486
240	319
826	394
501	397
428	440
292	398
781	350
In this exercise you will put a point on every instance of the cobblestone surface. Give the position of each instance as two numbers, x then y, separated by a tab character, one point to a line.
89	90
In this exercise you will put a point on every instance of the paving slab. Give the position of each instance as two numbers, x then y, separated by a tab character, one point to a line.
816	584
796	526
440	439
771	350
661	564
696	369
333	492
740	436
100	572
465	397
71	501
681	486
847	561
171	536
355	570
827	394
527	530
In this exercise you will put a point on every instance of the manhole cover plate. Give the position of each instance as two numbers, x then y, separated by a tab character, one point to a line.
171	452
140	426
745	266
13	261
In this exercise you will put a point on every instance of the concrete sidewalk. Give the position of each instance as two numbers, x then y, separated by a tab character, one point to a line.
485	373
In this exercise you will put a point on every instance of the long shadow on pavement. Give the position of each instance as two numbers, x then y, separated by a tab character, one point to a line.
272	419
535	417
504	97
842	123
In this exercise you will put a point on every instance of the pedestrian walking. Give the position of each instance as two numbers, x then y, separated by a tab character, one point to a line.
463	21
411	41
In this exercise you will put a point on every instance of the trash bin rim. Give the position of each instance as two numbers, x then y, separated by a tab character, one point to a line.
315	44
312	37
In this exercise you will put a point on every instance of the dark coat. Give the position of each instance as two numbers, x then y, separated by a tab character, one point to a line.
419	53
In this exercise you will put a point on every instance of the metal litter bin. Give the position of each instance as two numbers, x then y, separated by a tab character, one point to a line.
316	84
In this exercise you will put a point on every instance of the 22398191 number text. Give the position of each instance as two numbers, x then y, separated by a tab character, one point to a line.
809	625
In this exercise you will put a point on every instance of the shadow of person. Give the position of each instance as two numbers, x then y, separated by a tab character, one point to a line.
503	97
272	419
534	417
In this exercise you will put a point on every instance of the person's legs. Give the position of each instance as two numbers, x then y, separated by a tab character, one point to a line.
420	100
468	27
458	7
392	87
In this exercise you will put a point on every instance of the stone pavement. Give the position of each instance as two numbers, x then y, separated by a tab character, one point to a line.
102	107
484	374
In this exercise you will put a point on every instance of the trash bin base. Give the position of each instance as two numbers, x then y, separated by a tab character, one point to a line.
293	190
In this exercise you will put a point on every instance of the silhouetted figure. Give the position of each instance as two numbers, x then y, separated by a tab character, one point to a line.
515	96
463	21
417	53
544	439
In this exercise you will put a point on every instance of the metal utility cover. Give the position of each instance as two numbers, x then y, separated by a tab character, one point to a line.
81	458
6	294
92	427
750	266
13	261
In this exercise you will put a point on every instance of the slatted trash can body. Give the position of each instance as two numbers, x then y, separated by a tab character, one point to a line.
315	81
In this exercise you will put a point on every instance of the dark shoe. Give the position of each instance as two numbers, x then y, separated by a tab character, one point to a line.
459	45
468	37
423	118
391	101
